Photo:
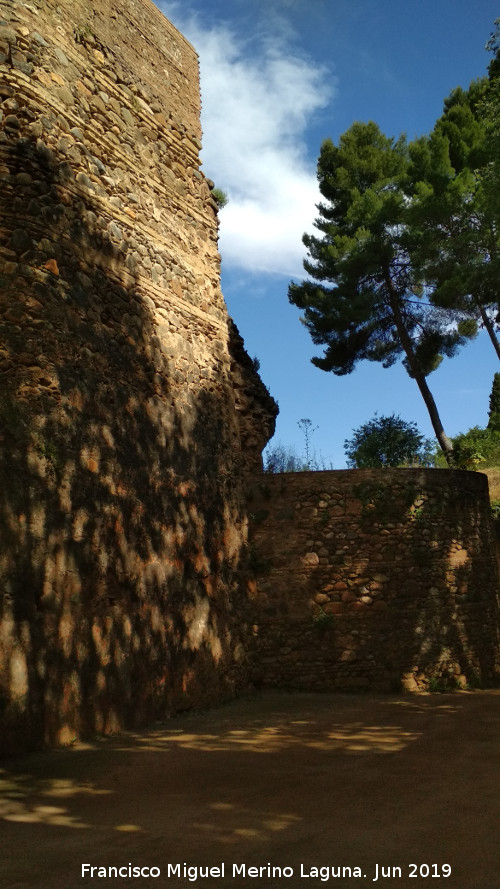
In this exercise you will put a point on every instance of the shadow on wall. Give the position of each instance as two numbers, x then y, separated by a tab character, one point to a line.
121	503
457	621
376	580
438	577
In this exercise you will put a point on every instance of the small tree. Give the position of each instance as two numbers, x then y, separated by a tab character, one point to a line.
387	441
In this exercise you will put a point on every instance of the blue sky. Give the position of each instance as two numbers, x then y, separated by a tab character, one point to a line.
278	77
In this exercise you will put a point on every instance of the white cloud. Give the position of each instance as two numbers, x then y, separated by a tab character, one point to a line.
258	97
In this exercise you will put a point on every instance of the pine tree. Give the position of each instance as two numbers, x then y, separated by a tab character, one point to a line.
365	301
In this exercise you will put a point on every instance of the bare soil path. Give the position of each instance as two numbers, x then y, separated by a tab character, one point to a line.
299	781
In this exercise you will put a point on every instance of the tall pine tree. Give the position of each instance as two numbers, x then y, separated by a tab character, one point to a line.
365	299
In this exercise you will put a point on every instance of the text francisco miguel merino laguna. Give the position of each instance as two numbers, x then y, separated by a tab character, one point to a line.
195	872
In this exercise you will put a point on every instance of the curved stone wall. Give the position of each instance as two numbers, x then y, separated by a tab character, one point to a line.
369	579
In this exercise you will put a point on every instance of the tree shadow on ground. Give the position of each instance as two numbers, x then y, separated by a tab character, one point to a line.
270	779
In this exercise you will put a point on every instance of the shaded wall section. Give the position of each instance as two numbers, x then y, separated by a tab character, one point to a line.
366	579
121	467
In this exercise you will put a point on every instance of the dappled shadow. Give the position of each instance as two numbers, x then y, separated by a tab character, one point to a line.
269	779
375	580
120	474
456	620
58	782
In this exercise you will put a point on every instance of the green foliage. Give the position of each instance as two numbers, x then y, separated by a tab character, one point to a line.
493	45
468	328
465	456
474	680
445	684
454	208
439	685
322	621
379	503
485	443
494	411
220	197
495	509
490	112
476	449
365	301
388	441
49	449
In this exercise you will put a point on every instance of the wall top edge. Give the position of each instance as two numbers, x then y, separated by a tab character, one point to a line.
380	473
151	5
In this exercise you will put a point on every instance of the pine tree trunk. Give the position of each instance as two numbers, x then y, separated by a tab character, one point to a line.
419	377
488	324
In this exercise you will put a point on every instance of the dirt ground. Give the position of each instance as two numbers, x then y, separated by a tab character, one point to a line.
385	786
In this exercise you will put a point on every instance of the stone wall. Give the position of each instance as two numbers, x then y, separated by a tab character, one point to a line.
370	579
123	453
255	407
131	415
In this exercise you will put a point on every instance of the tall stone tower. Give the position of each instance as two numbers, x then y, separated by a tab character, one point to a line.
128	407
